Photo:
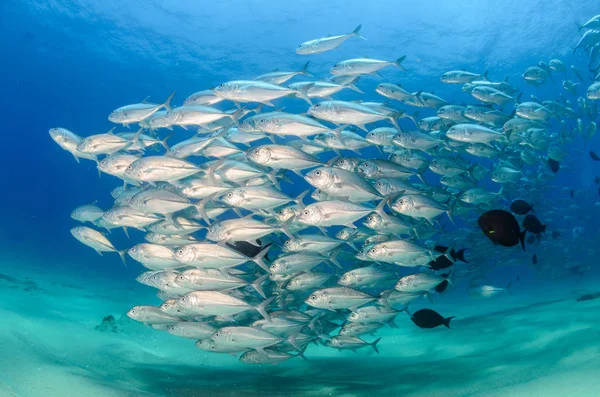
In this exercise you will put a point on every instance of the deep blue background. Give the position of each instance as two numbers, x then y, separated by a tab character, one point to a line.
70	63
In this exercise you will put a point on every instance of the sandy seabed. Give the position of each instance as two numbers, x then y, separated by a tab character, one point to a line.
530	344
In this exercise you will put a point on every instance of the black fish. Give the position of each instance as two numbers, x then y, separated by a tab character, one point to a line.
556	234
502	228
521	207
456	255
441	262
427	318
441	287
588	297
594	156
533	225
554	165
246	248
459	255
441	248
534	259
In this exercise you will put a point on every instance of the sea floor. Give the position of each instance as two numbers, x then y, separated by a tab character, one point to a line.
536	343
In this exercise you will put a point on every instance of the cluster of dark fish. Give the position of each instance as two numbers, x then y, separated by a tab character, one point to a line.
245	267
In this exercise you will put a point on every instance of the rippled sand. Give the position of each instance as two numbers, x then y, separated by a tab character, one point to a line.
506	346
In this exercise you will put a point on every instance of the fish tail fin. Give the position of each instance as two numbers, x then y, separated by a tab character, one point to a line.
136	138
392	323
201	207
398	63
507	288
285	228
384	296
354	87
299	199
235	116
257	284
302	92
305	72
415	115
485	74
262	309
356	32
301	353
122	255
522	238
428	296
451	210
501	193
470	171
518	98
380	209
447	321
258	259
167	104
374	345
459	255
333	257
394	118
338	134
164	141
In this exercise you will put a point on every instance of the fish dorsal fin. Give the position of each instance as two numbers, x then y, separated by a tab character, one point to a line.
146	100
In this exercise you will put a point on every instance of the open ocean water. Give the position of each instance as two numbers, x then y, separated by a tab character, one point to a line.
520	326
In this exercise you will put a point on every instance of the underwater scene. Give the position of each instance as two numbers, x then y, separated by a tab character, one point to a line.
263	198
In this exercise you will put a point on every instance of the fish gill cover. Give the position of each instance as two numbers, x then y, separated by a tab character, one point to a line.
317	193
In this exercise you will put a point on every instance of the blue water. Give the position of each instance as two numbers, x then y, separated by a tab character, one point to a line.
70	63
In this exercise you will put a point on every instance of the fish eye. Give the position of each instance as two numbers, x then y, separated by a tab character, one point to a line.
180	252
372	251
305	212
379	184
210	230
313	297
263	121
317	105
317	173
230	195
255	151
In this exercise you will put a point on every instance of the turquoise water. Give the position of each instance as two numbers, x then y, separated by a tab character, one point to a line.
70	63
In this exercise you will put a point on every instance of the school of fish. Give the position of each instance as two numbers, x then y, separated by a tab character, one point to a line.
385	206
